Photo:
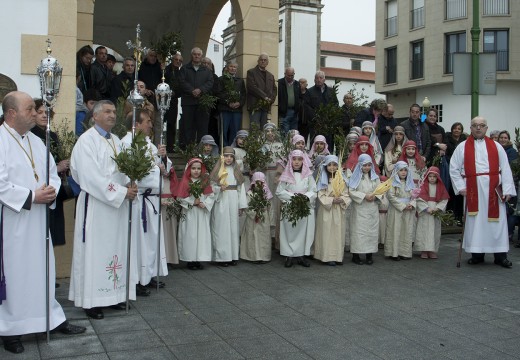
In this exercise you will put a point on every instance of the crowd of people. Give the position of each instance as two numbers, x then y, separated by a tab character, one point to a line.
384	187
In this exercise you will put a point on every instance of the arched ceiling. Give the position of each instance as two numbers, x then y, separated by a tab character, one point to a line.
115	21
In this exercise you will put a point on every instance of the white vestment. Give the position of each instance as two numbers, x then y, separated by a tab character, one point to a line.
480	234
146	218
169	226
274	149
297	241
23	312
400	223
99	260
364	220
194	229
225	234
428	233
255	237
240	154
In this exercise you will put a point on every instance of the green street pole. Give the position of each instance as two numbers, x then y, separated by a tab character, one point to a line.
475	37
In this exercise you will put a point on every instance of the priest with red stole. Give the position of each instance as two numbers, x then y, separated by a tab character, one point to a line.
480	171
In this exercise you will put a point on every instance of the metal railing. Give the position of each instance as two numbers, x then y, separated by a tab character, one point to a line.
417	18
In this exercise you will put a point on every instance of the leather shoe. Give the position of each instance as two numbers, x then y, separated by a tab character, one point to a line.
233	263
357	260
69	329
475	261
504	263
303	262
120	306
288	262
141	290
95	313
153	284
330	263
198	265
404	257
14	345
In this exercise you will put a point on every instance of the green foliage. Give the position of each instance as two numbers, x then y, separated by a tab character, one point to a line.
295	209
341	145
207	102
328	117
197	187
258	203
360	99
120	128
168	45
67	139
256	157
135	161
231	94
261	105
447	218
193	150
173	209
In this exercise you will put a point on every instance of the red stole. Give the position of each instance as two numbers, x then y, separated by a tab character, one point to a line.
471	178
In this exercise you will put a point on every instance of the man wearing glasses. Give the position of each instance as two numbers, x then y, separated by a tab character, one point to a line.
480	172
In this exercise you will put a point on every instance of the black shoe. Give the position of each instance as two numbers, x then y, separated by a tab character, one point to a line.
120	306
288	262
192	265
504	263
404	257
141	290
475	261
303	262
69	329
330	263
517	245
233	263
14	345
223	264
369	260
395	258
356	259
153	284
95	313
198	265
339	263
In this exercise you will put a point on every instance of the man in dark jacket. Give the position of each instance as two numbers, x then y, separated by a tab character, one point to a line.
417	131
288	101
171	74
100	75
371	114
124	80
261	87
231	92
386	126
195	81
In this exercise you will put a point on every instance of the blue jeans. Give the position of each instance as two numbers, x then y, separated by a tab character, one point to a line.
288	122
231	124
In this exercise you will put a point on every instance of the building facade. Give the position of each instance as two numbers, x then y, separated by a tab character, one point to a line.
416	44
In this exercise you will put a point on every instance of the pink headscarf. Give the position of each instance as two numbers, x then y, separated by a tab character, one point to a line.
319	138
288	173
259	176
306	159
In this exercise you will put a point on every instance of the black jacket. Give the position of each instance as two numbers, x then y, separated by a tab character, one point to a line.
223	97
283	98
191	79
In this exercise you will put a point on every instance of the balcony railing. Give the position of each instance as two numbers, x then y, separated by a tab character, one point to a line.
391	26
417	18
495	7
455	9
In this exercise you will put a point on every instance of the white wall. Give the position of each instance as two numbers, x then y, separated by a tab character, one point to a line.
16	20
346	86
217	57
304	50
499	109
344	62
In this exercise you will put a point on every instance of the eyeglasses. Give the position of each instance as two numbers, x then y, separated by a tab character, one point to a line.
478	126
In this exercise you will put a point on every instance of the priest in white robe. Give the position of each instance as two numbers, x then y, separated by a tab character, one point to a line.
99	261
480	171
23	200
147	207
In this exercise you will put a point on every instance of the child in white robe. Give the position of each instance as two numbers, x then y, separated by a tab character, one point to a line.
194	228
433	197
415	162
255	239
394	149
401	214
368	130
364	224
170	222
240	154
228	184
383	214
317	154
296	242
329	242
274	147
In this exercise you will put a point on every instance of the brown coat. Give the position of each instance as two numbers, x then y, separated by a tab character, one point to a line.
259	87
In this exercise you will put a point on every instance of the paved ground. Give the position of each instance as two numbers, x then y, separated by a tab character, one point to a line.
418	309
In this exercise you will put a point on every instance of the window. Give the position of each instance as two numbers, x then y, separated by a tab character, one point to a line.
323	61
391	18
417	71
417	14
455	9
216	48
391	65
497	41
280	31
495	7
439	111
454	43
355	64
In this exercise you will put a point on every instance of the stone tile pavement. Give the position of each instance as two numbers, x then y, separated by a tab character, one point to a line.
418	309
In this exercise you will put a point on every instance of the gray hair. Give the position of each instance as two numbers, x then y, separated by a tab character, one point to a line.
320	74
196	49
129	58
98	107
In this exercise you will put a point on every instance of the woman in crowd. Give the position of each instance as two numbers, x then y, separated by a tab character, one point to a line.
454	138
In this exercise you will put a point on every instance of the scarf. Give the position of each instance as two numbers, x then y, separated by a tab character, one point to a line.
183	190
471	174
440	190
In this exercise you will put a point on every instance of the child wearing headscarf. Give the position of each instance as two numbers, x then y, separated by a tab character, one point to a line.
433	197
240	154
296	242
228	184
364	220
170	223
415	162
383	214
274	147
255	239
329	242
394	149
362	146
194	229
401	214
369	130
